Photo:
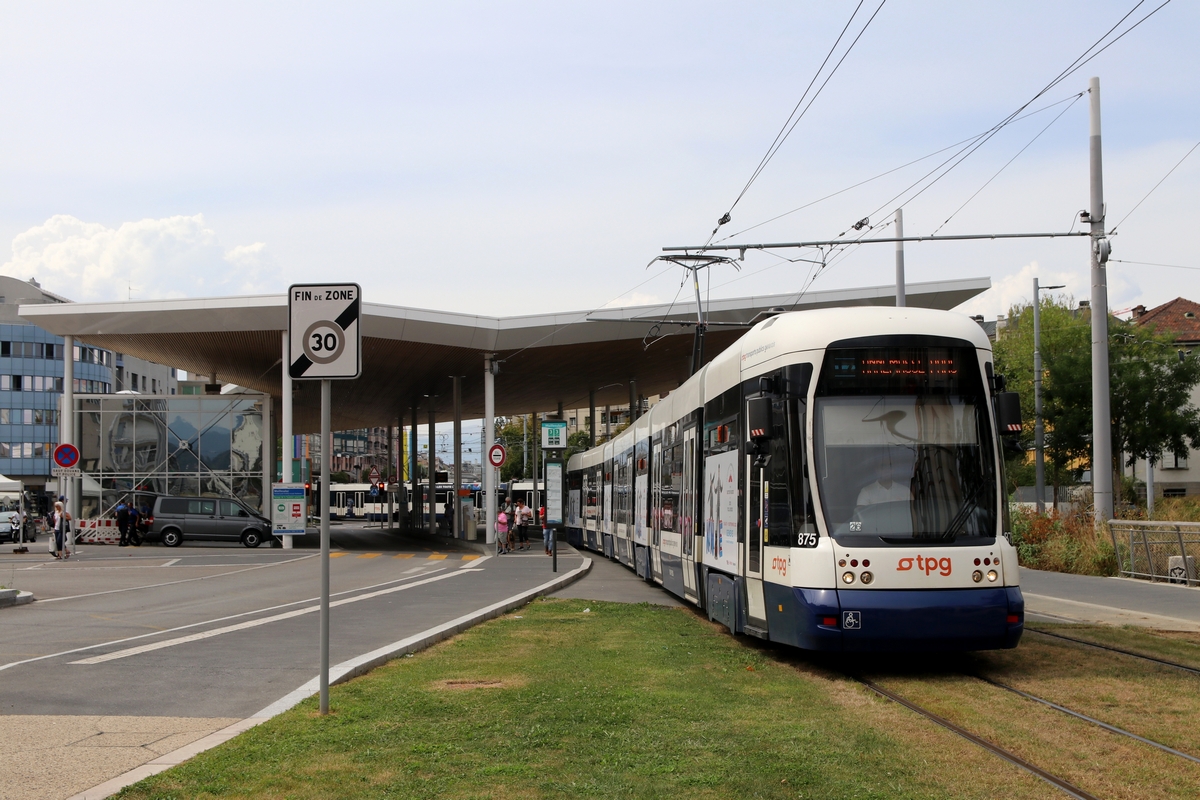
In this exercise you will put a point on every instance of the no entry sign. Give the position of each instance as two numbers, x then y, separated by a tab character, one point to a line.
497	455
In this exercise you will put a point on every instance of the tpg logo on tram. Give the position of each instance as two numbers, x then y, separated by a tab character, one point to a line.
926	564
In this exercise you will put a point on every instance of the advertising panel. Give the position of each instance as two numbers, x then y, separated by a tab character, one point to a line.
640	484
720	511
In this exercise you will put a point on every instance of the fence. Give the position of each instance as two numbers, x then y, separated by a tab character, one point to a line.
1158	551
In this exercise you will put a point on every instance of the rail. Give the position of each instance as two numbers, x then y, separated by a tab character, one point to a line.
1157	551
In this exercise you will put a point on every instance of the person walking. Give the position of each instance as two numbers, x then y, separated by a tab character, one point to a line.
61	521
501	533
123	523
521	516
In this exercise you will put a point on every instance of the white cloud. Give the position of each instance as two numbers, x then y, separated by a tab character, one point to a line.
149	259
1017	289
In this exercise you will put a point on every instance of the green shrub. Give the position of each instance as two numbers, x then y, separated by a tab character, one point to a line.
1062	543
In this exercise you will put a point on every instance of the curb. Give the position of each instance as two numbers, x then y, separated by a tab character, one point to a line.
337	674
15	597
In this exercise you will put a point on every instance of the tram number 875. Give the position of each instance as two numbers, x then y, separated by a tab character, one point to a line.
806	539
327	342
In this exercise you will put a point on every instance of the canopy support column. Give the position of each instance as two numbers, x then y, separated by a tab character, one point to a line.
432	468
286	456
457	507
489	439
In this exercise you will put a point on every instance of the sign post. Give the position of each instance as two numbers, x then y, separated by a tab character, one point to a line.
554	441
288	503
325	342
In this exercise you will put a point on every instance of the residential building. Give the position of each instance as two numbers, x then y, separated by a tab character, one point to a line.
1175	477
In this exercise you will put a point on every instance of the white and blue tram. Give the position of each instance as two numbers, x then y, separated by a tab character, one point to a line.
832	481
356	500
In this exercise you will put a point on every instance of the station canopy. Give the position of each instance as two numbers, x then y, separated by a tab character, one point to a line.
410	354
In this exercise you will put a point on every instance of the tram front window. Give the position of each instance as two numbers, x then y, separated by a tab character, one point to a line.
903	446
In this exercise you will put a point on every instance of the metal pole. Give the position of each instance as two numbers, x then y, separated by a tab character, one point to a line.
537	459
607	424
489	439
457	391
414	516
430	483
387	477
900	301
1102	469
633	395
1039	432
326	447
1150	492
524	447
66	421
591	418
286	474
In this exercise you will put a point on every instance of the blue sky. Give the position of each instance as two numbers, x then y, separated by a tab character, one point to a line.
464	155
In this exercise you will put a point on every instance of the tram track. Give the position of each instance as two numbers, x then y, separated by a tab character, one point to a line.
1012	758
1111	649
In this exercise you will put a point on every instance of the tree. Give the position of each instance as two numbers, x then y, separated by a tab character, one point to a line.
1150	387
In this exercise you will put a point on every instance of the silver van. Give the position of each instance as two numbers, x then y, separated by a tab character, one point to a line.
210	518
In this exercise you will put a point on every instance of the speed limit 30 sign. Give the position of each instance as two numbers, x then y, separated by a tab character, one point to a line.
325	331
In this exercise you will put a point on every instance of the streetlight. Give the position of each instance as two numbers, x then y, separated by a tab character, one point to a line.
1039	430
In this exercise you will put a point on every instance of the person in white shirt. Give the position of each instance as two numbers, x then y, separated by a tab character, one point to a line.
892	486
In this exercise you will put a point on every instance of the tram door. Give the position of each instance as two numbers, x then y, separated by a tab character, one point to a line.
687	515
656	504
758	485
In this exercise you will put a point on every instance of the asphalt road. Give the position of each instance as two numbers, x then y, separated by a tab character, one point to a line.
223	631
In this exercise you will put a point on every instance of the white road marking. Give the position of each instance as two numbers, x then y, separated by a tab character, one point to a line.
414	569
172	561
475	562
172	583
190	625
254	623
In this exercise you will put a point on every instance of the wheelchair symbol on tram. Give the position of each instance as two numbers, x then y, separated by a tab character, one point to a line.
851	620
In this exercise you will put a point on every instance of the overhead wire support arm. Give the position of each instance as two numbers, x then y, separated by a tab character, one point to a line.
889	239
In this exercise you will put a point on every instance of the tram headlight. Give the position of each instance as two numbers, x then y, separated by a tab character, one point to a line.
977	576
847	577
992	575
866	577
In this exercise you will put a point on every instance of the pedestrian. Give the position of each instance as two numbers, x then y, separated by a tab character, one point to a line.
521	517
134	522
61	522
501	533
545	531
123	523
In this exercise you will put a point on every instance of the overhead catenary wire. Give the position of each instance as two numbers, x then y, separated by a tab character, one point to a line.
794	119
1009	162
967	151
1160	183
1151	264
888	172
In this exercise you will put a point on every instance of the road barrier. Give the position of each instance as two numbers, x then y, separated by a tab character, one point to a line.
1158	551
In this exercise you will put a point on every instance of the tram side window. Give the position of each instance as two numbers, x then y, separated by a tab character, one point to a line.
621	500
792	520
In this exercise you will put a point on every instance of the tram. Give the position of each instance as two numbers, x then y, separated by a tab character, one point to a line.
833	481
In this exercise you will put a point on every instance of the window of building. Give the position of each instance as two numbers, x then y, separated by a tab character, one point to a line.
5	416
5	450
1178	492
27	449
5	382
27	416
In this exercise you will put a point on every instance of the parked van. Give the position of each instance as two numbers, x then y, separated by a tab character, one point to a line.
210	518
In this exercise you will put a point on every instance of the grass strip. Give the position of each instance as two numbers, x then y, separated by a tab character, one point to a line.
1177	646
570	698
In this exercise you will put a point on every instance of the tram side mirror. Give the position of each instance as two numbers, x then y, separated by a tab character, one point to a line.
758	418
1008	413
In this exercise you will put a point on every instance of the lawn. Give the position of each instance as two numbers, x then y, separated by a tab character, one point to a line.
568	698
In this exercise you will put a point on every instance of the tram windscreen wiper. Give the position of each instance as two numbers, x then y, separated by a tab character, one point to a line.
965	512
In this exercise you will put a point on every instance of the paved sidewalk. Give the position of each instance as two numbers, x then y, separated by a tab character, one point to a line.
609	580
1114	601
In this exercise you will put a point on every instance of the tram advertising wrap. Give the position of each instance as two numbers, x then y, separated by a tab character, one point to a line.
833	480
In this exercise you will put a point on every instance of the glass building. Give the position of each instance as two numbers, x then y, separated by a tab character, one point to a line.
31	375
209	446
